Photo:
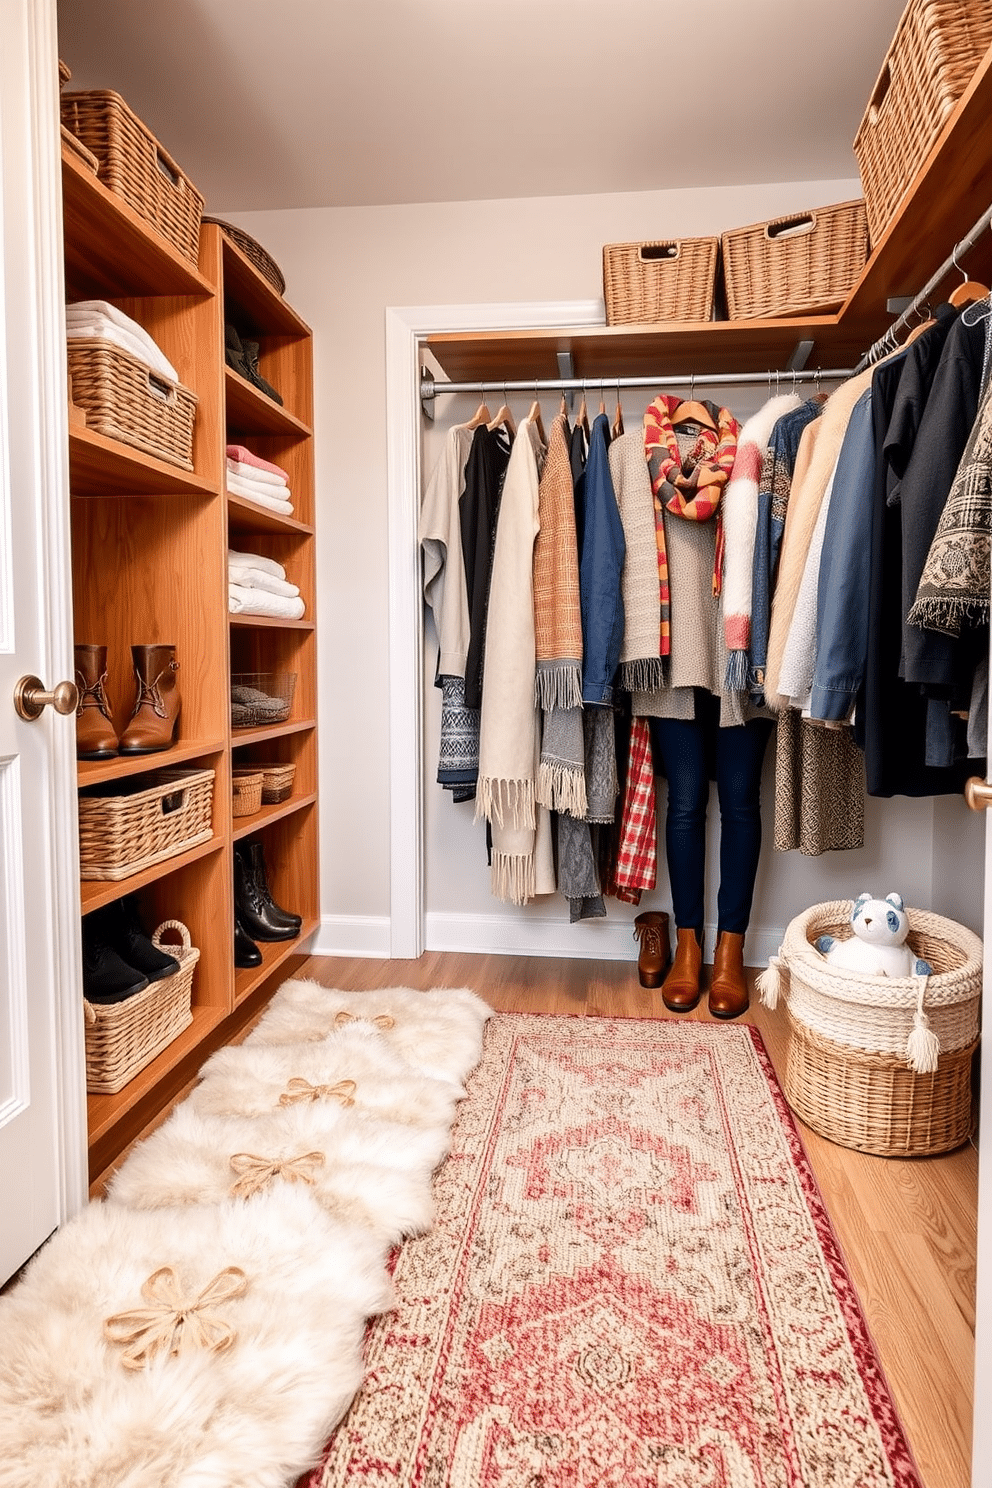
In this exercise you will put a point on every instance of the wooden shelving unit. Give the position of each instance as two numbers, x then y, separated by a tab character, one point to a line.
951	190
150	548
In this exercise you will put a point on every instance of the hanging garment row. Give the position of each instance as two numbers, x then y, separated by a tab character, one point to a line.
824	567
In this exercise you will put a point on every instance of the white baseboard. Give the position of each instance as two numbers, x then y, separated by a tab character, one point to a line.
352	935
597	940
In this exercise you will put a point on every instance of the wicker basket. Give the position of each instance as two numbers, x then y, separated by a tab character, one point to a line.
136	167
122	1037
254	252
644	283
122	831
125	400
246	792
937	47
261	698
277	780
848	1073
80	151
799	265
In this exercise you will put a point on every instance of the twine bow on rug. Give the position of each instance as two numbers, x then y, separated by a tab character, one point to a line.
258	1172
300	1091
170	1324
382	1021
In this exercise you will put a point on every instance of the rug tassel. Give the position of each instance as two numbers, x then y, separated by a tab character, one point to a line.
769	983
923	1045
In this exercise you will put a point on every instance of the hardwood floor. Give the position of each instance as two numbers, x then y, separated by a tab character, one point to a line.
907	1227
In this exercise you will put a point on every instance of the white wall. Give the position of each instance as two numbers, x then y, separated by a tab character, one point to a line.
343	267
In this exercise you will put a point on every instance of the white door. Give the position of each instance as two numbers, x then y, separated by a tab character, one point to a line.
981	1471
42	1098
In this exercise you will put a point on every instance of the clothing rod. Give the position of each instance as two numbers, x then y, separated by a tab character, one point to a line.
887	342
429	388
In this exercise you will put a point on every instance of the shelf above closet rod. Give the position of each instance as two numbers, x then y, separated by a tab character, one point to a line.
887	341
430	388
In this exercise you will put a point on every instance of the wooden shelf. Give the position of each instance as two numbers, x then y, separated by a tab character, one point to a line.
245	825
109	250
246	517
256	298
95	772
241	737
250	411
272	622
94	893
274	953
951	190
99	466
105	1111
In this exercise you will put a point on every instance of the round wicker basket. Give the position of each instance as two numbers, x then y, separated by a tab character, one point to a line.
263	261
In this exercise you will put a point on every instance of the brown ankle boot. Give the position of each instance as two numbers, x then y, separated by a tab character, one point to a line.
651	929
680	992
728	986
96	737
156	708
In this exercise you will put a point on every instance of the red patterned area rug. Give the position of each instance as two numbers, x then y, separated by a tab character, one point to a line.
631	1282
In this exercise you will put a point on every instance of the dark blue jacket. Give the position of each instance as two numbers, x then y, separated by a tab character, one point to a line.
600	567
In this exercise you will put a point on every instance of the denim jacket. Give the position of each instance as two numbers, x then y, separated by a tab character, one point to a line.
600	566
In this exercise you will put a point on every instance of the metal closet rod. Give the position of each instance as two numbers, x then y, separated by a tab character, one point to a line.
888	341
429	388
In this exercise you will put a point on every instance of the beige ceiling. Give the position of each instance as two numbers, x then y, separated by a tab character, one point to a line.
292	103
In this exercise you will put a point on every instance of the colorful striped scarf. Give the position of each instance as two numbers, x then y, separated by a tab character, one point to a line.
688	485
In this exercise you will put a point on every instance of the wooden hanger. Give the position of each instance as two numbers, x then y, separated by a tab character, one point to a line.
534	417
582	417
617	429
479	417
968	291
503	419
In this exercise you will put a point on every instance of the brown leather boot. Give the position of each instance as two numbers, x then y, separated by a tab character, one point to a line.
156	708
680	992
651	929
728	986
96	737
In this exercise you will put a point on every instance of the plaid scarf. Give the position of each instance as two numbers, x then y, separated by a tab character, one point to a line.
636	866
688	485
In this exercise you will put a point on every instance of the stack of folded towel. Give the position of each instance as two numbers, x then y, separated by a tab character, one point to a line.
257	479
104	322
258	586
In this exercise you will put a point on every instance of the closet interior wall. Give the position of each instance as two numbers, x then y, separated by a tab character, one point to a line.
929	850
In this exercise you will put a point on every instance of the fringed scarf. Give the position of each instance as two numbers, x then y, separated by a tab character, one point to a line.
557	617
688	485
954	585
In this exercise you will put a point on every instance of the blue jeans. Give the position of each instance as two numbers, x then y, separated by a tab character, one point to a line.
690	754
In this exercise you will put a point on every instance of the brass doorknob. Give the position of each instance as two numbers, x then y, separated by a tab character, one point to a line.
977	793
31	698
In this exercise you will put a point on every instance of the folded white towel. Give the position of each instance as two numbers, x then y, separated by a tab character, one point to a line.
159	365
255	560
275	483
243	601
98	317
257	578
252	493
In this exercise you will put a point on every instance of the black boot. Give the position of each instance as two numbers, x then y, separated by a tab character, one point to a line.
251	350
106	976
253	909
246	952
255	860
127	936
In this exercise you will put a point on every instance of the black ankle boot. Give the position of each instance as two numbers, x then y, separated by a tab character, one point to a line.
106	976
246	952
127	936
255	860
256	917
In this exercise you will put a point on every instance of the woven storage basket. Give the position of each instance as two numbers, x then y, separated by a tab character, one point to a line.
261	698
126	400
848	1072
122	832
80	151
254	252
648	282
937	47
122	1037
246	793
795	265
277	780
135	166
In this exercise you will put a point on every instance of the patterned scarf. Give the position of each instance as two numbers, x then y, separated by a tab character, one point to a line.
688	485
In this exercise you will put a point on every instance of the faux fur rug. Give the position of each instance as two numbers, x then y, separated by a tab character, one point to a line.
631	1283
203	1327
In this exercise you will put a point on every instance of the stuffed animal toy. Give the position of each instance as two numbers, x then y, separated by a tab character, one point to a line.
878	946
